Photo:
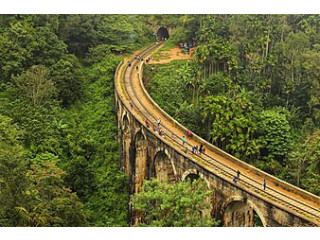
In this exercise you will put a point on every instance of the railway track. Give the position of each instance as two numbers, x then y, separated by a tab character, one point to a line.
247	183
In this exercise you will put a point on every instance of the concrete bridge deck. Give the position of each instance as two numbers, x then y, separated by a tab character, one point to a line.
292	200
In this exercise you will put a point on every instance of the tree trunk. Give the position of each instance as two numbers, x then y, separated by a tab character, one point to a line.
267	45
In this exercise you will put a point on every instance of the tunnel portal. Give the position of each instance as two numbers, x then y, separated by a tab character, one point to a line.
162	34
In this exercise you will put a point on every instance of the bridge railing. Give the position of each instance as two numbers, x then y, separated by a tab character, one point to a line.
269	178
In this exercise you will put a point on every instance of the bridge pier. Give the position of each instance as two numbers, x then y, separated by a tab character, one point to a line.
141	164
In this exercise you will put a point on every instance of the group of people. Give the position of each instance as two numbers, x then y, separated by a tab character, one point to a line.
156	126
237	178
141	58
198	150
195	149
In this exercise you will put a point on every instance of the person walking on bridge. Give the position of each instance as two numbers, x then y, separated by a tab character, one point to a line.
159	122
235	180
264	184
238	174
183	140
200	148
189	134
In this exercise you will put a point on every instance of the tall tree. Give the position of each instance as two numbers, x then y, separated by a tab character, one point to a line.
36	85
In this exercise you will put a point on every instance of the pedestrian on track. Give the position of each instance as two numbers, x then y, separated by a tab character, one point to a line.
235	180
200	148
183	139
238	174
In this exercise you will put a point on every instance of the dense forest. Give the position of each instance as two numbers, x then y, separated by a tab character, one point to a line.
59	156
252	89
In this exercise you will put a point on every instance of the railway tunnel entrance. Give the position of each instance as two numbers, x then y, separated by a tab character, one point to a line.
162	34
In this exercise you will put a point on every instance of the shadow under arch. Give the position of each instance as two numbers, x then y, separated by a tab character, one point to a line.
162	34
139	136
163	169
125	123
233	219
193	174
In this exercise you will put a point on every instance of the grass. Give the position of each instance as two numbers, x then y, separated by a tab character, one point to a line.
159	55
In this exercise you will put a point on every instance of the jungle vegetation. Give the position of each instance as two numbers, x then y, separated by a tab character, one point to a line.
252	89
59	159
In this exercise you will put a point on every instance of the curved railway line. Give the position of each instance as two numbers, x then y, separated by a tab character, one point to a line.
129	83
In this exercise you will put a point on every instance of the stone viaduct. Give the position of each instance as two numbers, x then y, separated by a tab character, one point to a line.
145	154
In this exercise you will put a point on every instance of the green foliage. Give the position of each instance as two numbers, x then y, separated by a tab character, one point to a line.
276	132
35	85
233	124
22	45
252	90
81	32
173	205
172	91
98	53
92	151
33	195
68	77
275	58
12	171
59	154
303	163
49	202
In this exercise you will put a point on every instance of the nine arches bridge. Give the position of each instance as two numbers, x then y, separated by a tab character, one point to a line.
145	154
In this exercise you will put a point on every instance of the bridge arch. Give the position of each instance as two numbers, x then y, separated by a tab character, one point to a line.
194	174
240	212
162	34
163	168
139	136
125	122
